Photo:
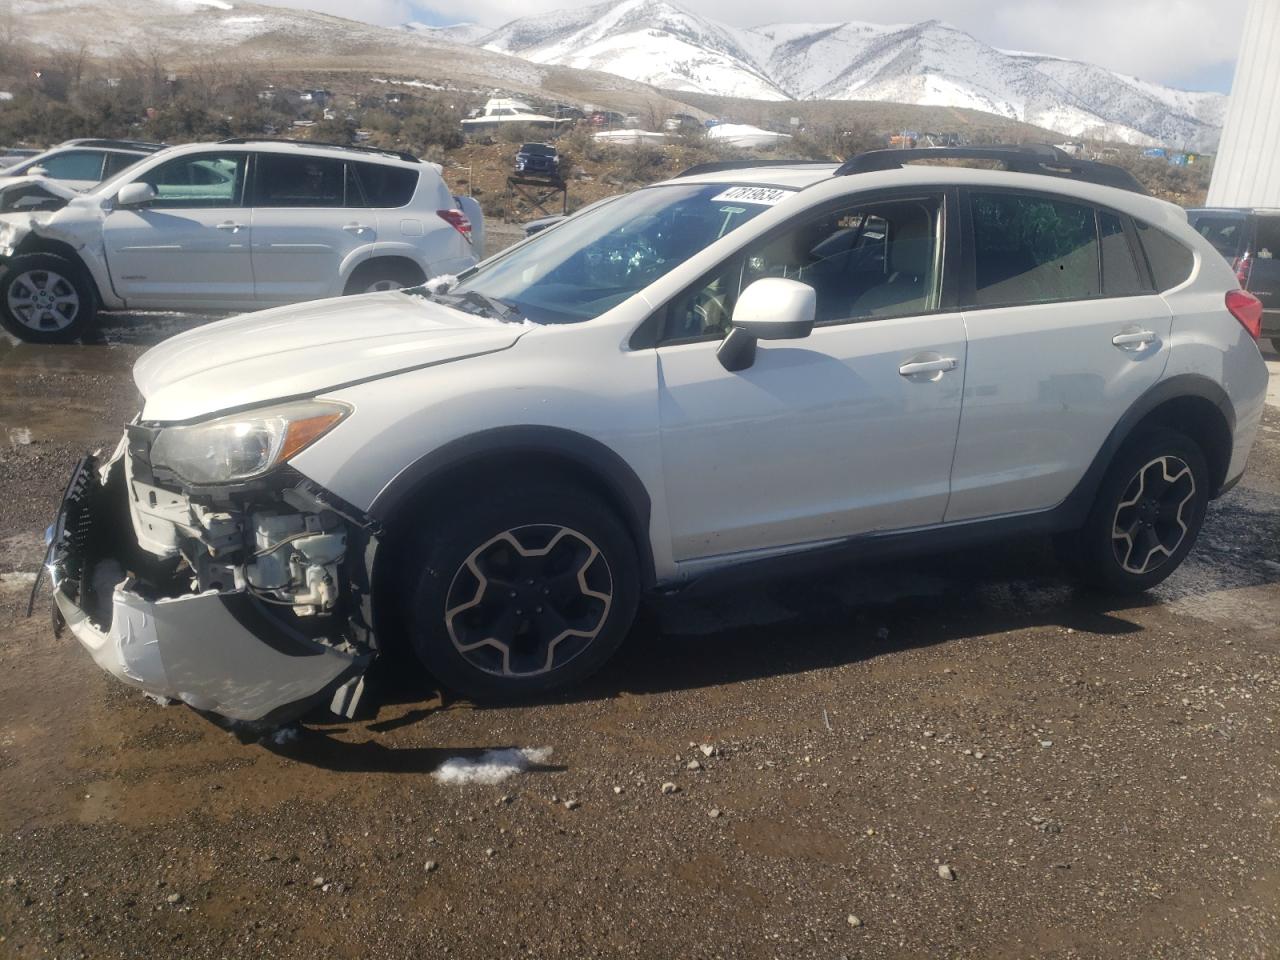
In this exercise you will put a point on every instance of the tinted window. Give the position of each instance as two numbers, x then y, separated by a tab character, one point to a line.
1120	277
1030	249
291	180
1266	244
73	165
866	262
119	161
1227	234
1170	261
380	185
198	180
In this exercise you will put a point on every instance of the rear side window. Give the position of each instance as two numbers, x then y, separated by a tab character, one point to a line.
1120	276
291	180
1227	234
1031	249
380	185
1170	261
119	161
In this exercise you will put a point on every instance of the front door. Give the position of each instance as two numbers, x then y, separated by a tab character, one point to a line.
850	430
190	246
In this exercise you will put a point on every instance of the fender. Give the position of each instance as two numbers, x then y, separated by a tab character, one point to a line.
1077	504
590	455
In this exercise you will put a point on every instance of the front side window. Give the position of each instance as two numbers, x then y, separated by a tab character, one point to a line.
73	165
594	261
295	180
198	180
1032	249
870	261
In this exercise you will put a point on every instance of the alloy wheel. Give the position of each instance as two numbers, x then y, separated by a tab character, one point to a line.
1152	518
529	600
43	300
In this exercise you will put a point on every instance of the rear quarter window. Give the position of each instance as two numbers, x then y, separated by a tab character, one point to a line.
1170	260
380	185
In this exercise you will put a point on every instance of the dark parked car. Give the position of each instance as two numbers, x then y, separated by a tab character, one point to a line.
538	160
1250	240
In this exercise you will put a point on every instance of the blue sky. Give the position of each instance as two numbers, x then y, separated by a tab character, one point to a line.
1183	43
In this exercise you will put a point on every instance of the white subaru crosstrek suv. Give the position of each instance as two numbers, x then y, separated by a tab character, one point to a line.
732	372
232	226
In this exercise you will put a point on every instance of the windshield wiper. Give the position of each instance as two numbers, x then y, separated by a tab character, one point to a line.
473	301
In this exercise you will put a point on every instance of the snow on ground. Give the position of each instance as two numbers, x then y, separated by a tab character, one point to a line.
492	766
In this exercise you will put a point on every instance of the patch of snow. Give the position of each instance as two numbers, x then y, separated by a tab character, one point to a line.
492	766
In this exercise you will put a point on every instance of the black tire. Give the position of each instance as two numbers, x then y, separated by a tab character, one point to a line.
384	274
45	298
495	643
1146	516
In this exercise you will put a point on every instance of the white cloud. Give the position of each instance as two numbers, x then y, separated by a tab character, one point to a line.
1161	40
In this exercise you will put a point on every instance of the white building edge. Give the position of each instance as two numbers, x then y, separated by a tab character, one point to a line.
1246	172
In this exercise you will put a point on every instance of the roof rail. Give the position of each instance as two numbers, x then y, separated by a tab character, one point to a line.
399	155
116	144
1019	158
719	165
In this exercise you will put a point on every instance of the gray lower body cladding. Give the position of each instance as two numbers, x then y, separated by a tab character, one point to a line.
148	621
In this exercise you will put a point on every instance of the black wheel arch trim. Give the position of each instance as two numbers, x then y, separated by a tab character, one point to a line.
585	453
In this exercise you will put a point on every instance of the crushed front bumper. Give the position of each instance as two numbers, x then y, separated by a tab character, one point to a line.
220	652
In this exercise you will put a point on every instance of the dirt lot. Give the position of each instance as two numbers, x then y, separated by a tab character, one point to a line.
1100	778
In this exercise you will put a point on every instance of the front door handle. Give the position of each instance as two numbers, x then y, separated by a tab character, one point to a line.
1134	339
231	225
913	367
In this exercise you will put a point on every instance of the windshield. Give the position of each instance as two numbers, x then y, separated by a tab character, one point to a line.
594	261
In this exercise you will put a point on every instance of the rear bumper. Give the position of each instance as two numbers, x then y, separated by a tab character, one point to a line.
219	652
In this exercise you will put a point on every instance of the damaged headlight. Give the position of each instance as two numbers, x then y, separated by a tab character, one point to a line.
242	446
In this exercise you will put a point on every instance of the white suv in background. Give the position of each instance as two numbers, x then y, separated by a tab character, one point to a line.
235	225
730	373
80	164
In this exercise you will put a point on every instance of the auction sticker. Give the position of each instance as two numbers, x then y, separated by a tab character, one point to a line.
764	195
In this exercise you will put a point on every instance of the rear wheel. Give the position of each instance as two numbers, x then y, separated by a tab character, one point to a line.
1147	514
522	591
46	299
383	275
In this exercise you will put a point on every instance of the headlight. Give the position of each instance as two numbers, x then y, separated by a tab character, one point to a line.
244	445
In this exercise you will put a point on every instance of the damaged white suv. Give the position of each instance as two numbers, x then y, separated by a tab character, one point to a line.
731	372
227	226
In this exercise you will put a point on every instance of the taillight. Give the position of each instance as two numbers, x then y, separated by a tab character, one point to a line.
1242	266
458	220
1246	308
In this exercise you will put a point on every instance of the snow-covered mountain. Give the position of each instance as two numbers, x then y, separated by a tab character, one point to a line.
932	63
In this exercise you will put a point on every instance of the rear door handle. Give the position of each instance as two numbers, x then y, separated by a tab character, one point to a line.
231	225
1136	338
355	227
913	367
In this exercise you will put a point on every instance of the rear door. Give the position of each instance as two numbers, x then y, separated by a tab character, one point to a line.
305	226
1065	332
190	246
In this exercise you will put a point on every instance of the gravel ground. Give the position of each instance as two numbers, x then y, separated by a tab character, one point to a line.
960	757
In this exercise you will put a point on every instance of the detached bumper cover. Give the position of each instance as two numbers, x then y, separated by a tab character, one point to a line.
217	652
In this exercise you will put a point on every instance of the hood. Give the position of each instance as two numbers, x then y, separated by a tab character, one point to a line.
306	349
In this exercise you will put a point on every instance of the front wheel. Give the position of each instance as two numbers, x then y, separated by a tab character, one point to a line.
1147	515
522	591
46	299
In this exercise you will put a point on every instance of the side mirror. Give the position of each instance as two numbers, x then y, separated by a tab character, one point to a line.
135	195
770	309
37	172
